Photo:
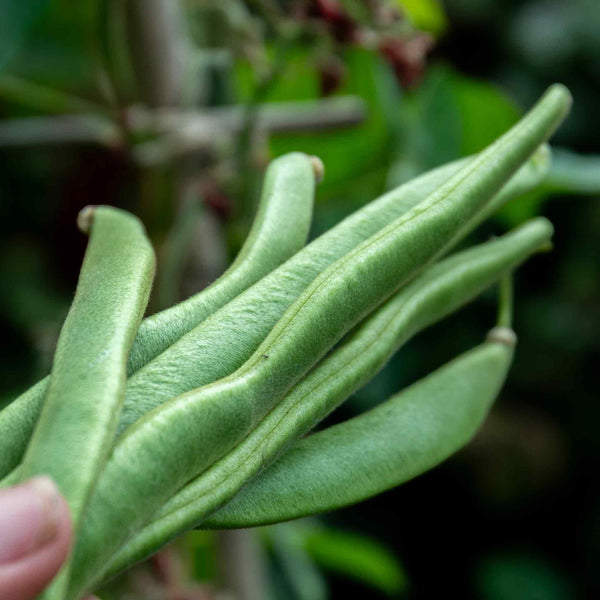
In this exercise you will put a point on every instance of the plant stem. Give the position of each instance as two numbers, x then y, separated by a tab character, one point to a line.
67	129
182	131
241	564
155	50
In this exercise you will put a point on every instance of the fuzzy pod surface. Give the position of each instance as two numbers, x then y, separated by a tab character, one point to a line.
440	290
378	450
338	298
224	341
206	355
279	230
87	384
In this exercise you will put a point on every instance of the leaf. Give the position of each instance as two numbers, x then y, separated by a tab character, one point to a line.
574	173
41	98
347	152
447	117
427	15
570	173
358	557
18	17
301	574
201	550
59	50
485	112
521	577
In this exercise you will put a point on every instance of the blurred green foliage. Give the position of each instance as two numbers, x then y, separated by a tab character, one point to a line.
17	20
427	15
521	577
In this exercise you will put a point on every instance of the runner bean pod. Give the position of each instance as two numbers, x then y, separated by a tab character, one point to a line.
279	230
245	323
87	384
224	341
335	301
440	290
206	354
380	449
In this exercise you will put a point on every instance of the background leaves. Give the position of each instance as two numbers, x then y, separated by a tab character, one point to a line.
17	21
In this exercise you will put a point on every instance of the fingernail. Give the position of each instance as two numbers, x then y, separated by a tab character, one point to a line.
29	517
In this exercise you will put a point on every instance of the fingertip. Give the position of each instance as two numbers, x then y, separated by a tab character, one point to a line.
23	577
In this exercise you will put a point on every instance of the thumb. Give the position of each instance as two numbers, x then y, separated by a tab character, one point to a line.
35	534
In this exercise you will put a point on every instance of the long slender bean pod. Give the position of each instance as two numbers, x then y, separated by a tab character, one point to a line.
87	384
223	342
17	422
335	301
440	290
279	230
378	450
248	319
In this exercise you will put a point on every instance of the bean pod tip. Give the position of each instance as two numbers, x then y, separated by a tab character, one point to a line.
85	218
561	90
560	97
502	335
318	168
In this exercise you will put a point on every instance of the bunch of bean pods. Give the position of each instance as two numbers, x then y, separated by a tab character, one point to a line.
197	416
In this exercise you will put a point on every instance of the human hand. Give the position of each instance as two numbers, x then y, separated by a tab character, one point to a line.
35	536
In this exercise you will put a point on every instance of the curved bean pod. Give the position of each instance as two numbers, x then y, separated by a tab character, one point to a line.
87	384
440	290
250	317
12	478
380	449
224	341
279	230
17	422
221	344
336	300
529	175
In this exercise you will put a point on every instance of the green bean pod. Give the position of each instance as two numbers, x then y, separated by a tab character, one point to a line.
380	449
249	318
441	289
335	301
529	175
227	339
87	384
279	230
17	422
224	341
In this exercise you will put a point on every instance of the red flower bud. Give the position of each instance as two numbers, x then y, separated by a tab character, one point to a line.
407	56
